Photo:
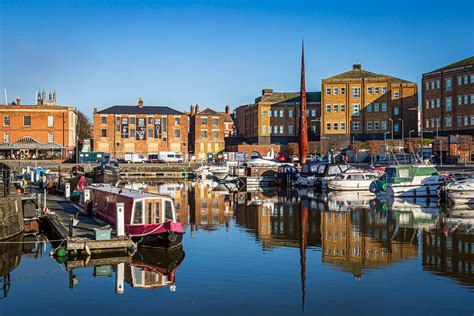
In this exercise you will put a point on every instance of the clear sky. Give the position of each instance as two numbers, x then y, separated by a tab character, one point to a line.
176	53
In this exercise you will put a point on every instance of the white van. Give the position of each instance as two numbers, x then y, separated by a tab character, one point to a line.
168	156
133	158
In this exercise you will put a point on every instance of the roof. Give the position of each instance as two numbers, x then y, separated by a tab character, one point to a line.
134	194
209	111
358	73
227	118
28	142
459	64
282	97
134	109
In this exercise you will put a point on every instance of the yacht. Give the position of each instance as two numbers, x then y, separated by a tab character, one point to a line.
352	180
317	174
461	191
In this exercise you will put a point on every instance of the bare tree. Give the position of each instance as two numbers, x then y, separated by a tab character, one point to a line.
84	126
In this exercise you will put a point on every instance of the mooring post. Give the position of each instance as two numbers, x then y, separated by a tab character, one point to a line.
119	278
45	205
120	227
67	191
71	226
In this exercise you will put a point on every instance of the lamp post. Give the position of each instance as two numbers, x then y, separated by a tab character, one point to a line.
391	120
353	146
403	135
385	142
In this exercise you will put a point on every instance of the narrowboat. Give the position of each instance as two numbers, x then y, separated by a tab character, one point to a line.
317	174
408	181
105	173
150	219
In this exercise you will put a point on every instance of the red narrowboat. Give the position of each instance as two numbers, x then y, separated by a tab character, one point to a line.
150	219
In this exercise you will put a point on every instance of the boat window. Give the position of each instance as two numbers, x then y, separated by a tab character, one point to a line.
157	213
343	167
150	213
168	209
138	217
304	169
339	177
321	169
333	170
370	176
390	174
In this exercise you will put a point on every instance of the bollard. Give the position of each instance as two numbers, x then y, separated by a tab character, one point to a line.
71	226
32	176
67	191
45	203
119	278
120	227
87	195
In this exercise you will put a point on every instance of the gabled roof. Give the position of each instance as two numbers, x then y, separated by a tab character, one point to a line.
134	109
208	111
358	73
459	64
282	97
227	118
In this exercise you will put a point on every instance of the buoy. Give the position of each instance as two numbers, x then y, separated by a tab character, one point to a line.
61	252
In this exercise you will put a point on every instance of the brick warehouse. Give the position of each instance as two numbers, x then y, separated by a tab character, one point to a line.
366	105
206	133
45	129
122	129
448	99
274	118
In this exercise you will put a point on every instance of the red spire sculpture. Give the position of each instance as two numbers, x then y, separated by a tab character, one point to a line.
303	140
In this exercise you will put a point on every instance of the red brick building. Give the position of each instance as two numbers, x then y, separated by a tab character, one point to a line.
122	129
448	99
45	130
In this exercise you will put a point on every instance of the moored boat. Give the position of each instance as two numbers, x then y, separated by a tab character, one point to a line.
317	174
150	219
352	180
461	191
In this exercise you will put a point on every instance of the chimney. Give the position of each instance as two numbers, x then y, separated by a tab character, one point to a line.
267	91
227	109
357	66
192	110
18	101
95	110
140	103
196	109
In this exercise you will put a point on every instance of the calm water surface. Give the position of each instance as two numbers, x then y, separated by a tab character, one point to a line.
264	253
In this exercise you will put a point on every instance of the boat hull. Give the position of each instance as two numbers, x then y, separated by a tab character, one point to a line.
429	190
347	185
162	240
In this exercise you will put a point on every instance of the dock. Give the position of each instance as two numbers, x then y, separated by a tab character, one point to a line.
79	238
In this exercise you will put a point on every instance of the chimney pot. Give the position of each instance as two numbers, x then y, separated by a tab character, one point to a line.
227	109
140	103
357	66
95	110
18	101
196	110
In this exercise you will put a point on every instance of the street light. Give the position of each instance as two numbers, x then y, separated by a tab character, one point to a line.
385	142
403	135
391	120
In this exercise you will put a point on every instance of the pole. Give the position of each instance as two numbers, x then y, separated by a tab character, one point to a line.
403	135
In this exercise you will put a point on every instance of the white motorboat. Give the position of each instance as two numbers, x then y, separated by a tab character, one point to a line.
267	161
461	191
317	174
408	181
352	180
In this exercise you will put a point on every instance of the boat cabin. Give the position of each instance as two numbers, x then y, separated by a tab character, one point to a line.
406	173
322	170
357	176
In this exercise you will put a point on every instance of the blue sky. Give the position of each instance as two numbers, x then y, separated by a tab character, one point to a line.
177	53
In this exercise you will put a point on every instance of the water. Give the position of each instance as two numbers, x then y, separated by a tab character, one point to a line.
266	254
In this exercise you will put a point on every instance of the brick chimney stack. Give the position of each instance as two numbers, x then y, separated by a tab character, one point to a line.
357	66
140	103
18	101
196	109
192	110
95	110
227	109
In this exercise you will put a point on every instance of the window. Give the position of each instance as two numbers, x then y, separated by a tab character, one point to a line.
448	122
395	128
369	90
50	121
328	108
395	95
384	107
270	113
165	124
466	120
103	119
50	137
427	123
376	107
343	90
466	99
281	113
369	107
448	104
6	119
395	110
215	121
343	108
459	99
432	103
472	78
27	120
103	132
132	133
427	85
177	121
448	84
290	129
427	102
290	113
335	91
377	90
275	129
264	113
313	113
355	109
384	125
472	98
472	119
204	133
281	129
384	90
336	108
355	126
376	126
459	80
438	103
459	120
343	126
432	84
466	79
328	126
438	122
438	83
150	133
215	134
307	112
132	119
328	91
335	126
138	215
6	137
204	121
177	133
369	125
216	147
356	92
150	120
117	124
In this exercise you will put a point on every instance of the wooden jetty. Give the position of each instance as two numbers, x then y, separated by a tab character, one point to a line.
79	238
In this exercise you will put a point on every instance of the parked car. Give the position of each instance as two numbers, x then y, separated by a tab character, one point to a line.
153	158
134	158
168	156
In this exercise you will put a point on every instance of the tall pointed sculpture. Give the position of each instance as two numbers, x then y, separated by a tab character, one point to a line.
303	140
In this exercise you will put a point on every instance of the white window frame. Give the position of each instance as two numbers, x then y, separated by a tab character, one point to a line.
6	118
